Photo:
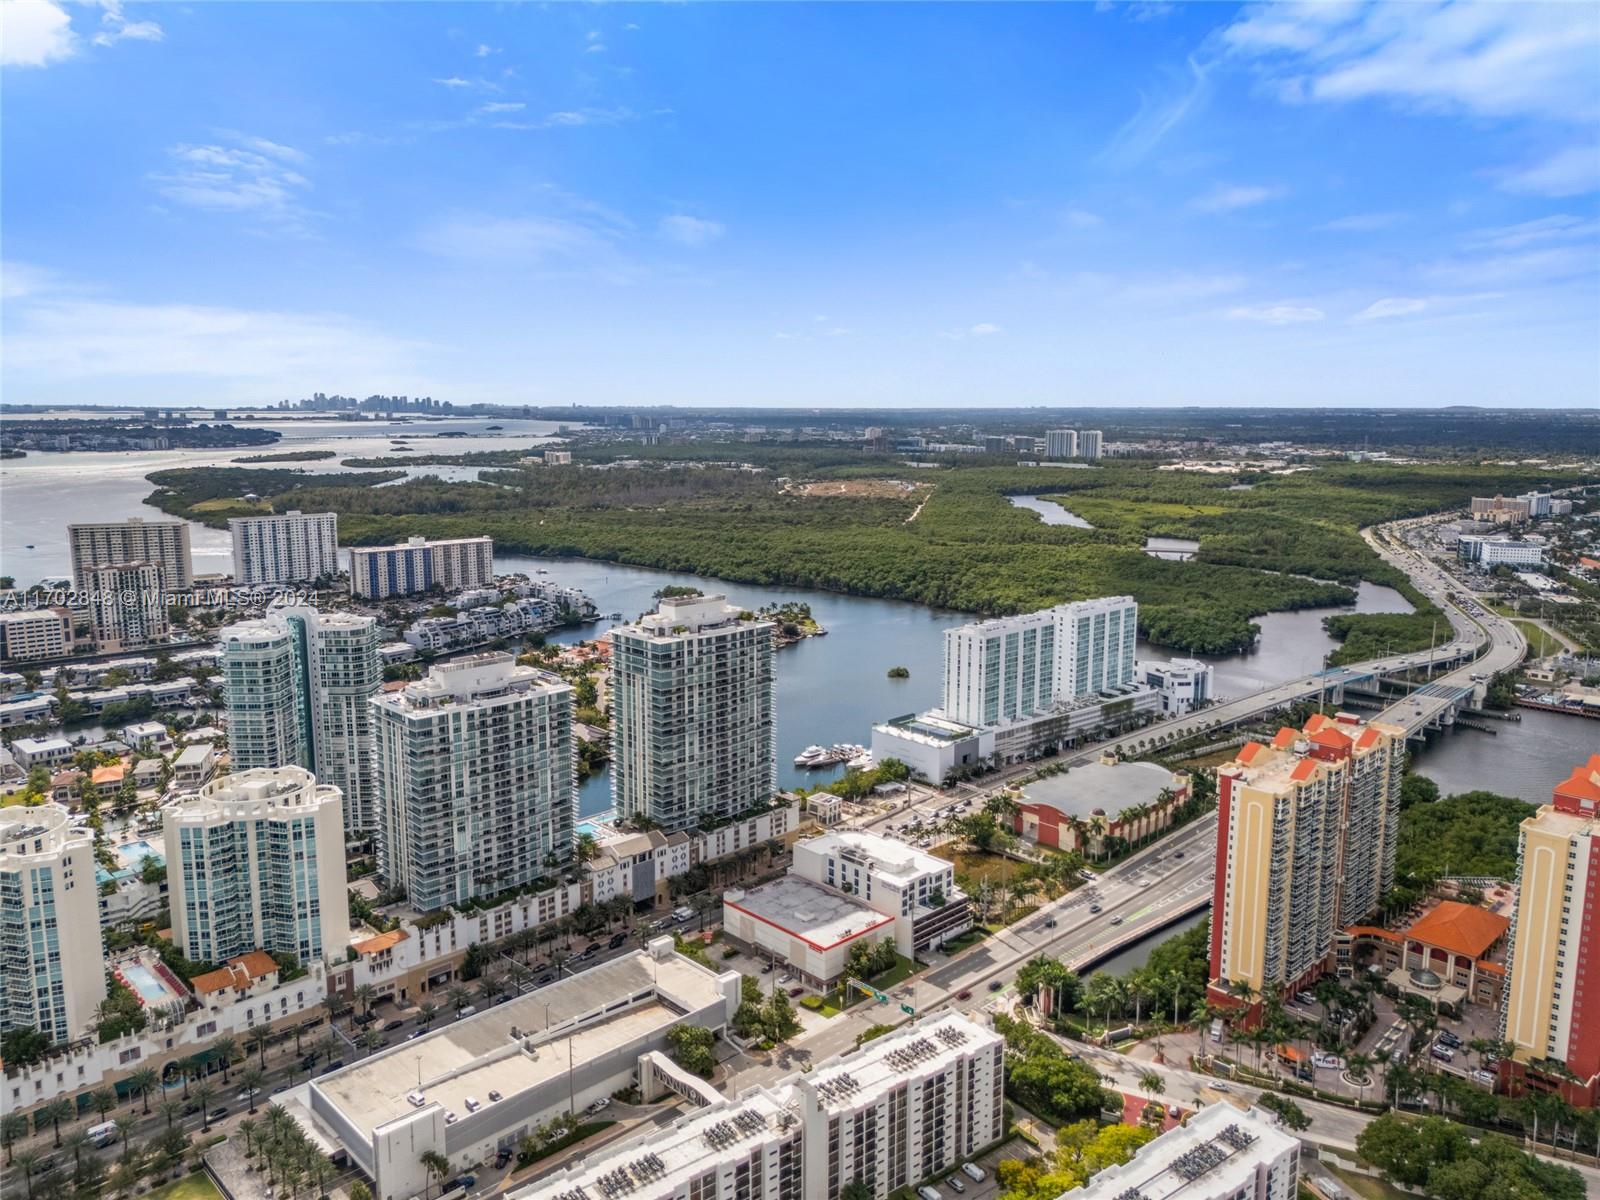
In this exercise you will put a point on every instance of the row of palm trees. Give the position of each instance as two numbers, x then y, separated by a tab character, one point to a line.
276	1145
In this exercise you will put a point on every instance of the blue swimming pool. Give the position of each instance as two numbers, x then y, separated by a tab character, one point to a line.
144	982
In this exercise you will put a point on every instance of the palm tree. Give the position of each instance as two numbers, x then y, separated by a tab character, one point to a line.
204	1094
28	1160
142	1081
77	1142
226	1050
336	1006
436	1164
56	1111
426	1012
171	1109
1360	1065
13	1128
104	1100
369	1040
456	997
365	995
258	1037
125	1126
253	1079
1150	1083
247	1130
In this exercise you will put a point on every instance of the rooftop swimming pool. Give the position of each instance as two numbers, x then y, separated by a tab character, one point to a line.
146	985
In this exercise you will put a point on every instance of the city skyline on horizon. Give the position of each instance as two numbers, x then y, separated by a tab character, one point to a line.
804	207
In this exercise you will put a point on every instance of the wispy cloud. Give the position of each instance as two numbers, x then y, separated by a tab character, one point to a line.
595	46
981	330
1482	59
484	50
1159	113
690	231
1276	314
454	81
1077	218
1362	223
250	176
1180	288
1226	198
573	118
115	27
1136	10
502	106
1561	227
1392	306
1574	171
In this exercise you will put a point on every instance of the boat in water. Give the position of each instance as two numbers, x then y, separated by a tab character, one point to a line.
861	762
812	756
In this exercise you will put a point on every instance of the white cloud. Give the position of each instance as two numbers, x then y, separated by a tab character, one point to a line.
1393	306
1157	116
1362	223
115	27
1560	227
35	33
1078	218
690	231
982	329
503	106
537	239
253	176
1544	265
1574	171
455	81
484	50
19	279
595	48
573	118
1276	314
837	331
1482	59
1230	198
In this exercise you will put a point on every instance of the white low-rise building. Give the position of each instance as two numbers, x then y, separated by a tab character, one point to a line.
916	889
481	1083
931	745
1221	1154
1184	684
36	710
808	927
906	1106
41	752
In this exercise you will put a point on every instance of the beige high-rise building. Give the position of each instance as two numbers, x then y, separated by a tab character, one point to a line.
165	543
1306	836
1552	1005
52	976
35	633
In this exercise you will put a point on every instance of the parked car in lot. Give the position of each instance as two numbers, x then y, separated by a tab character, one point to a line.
796	992
955	1185
928	1193
603	1103
1443	1053
502	1158
974	1172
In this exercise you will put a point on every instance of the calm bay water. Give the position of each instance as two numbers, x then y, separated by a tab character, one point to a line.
830	689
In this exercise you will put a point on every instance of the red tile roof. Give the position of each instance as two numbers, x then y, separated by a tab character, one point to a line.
384	941
1248	752
1284	738
1332	738
1303	770
1582	785
238	972
1460	928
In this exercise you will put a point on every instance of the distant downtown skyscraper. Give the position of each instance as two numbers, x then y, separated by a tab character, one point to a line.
255	861
106	543
1552	1006
692	712
1307	831
291	547
296	684
52	976
475	779
1008	668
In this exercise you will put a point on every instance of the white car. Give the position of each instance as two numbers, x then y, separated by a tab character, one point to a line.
603	1103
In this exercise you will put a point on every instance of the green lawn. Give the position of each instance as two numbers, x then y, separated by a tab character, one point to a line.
1367	1187
1540	643
197	1186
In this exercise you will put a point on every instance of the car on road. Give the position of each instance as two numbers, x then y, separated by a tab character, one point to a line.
542	980
963	995
464	1182
1094	908
1049	922
502	1158
616	940
995	985
216	1114
1117	920
391	1026
767	970
1179	854
599	1105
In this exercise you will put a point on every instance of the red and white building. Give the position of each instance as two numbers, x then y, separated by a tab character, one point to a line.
1082	808
1552	1009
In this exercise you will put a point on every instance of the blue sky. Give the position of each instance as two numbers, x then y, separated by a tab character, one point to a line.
802	204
